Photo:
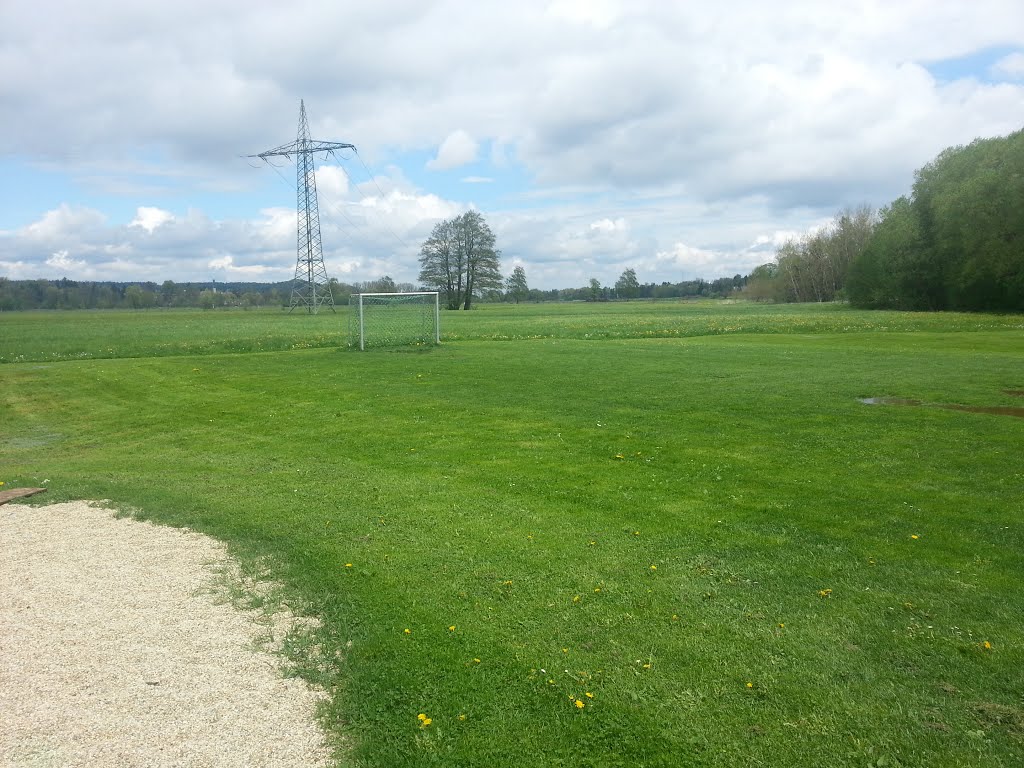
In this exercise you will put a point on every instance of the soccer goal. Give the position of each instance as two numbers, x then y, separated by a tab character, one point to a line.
394	319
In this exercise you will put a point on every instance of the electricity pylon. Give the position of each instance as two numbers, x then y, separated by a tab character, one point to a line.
310	288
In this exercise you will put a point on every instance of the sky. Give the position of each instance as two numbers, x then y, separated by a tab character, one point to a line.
678	139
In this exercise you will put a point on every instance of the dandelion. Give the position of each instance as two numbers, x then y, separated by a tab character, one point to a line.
597	589
451	628
781	625
647	666
590	543
580	704
424	720
476	661
675	617
462	716
987	646
914	536
654	567
407	631
750	685
636	533
576	598
565	650
589	695
824	593
619	456
347	565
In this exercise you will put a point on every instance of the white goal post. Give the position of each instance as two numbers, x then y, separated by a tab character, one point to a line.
394	319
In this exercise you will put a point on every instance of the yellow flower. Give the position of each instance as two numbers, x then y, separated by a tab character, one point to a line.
619	456
580	704
451	628
462	716
407	631
647	666
597	589
476	661
347	565
421	717
654	567
782	626
589	695
824	593
750	685
987	645
576	598
424	720
675	617
565	650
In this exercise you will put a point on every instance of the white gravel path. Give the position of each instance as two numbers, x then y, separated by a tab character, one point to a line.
114	652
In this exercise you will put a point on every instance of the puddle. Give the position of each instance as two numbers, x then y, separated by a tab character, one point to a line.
995	410
888	401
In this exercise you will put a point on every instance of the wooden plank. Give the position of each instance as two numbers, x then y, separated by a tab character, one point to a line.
18	493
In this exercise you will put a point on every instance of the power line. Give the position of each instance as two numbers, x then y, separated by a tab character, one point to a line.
381	191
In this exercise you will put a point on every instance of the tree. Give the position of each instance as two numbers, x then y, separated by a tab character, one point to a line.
460	260
958	241
815	267
891	272
594	292
763	284
516	285
627	285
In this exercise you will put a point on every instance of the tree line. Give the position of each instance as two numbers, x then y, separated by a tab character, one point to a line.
72	294
955	243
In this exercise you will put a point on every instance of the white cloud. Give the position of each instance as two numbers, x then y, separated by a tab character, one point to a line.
150	218
61	261
458	149
477	180
65	221
598	13
1010	66
250	272
609	226
331	183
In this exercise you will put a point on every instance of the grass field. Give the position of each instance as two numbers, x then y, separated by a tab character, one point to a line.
584	535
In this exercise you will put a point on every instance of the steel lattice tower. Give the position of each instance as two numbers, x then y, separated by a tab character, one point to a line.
310	288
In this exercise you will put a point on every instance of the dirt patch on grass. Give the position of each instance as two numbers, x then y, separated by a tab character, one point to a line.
121	649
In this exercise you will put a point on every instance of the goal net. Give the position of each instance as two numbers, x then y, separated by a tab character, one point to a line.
394	319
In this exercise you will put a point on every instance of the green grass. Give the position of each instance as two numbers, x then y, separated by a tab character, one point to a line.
48	336
522	491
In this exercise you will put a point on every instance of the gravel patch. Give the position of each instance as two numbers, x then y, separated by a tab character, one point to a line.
118	648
